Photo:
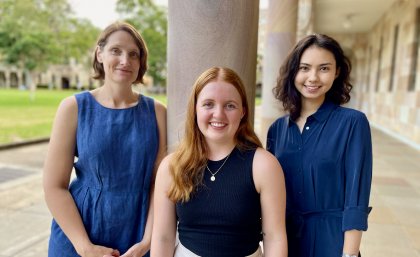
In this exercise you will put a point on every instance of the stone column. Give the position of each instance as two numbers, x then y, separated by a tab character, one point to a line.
7	77
306	21
281	36
202	34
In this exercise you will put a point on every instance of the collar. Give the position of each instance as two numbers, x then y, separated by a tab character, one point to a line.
322	113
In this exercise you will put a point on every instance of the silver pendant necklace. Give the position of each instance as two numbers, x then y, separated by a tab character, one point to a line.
213	175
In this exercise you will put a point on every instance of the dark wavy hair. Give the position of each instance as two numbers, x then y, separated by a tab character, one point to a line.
285	90
103	40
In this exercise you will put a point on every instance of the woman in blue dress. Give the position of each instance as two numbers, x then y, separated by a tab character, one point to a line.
114	138
325	151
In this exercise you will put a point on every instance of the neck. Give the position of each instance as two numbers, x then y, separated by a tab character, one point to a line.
310	106
218	151
114	97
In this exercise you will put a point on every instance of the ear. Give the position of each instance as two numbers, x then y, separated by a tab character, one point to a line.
337	73
243	114
98	54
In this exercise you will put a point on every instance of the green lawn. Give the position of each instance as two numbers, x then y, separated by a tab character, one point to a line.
23	116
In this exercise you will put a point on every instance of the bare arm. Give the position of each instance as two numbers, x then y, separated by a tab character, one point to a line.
269	182
56	178
164	226
352	239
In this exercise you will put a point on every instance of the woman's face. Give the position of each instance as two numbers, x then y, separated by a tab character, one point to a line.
120	58
316	74
219	112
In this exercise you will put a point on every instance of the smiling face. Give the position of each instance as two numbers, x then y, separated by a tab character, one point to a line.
316	74
120	58
219	112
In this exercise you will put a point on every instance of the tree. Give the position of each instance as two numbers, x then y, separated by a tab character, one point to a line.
151	21
37	33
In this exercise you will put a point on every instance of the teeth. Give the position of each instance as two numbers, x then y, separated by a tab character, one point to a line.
217	124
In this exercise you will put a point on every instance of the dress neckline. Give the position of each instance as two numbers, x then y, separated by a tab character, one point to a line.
115	109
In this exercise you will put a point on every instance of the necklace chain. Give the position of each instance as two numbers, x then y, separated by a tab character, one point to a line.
213	175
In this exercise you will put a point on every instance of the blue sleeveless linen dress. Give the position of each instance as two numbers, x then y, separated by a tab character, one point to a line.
116	151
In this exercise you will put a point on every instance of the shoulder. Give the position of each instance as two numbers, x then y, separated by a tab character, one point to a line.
265	167
350	113
65	121
350	117
159	108
278	126
68	106
280	122
160	111
163	173
264	161
262	154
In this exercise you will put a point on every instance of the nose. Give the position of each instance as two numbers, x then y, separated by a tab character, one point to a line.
219	111
124	59
313	76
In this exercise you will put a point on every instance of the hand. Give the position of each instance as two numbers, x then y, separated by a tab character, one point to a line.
137	250
97	250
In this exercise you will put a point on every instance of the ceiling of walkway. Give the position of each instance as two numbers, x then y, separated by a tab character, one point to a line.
349	16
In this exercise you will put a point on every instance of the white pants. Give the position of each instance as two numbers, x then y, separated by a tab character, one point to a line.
181	251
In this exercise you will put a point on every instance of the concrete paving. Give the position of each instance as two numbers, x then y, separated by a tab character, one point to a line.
394	224
24	217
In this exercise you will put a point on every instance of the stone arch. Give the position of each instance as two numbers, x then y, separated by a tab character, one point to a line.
2	79
65	83
14	80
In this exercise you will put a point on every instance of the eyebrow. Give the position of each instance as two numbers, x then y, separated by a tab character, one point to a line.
322	64
212	100
118	45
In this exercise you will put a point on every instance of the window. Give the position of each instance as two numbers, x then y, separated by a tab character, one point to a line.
414	57
378	73
394	54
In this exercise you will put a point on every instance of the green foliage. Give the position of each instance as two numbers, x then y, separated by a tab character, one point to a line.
151	21
37	33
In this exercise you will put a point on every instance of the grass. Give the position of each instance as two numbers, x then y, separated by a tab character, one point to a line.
24	116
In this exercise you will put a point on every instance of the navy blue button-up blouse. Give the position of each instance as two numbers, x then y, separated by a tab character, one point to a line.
328	173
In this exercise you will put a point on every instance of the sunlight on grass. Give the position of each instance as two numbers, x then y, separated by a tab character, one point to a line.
22	118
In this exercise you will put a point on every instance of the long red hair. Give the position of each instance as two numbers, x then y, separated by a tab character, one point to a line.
190	158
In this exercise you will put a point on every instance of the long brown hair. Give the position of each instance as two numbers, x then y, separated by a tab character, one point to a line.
103	40
190	158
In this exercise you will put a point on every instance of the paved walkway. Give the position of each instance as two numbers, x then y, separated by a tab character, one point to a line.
394	224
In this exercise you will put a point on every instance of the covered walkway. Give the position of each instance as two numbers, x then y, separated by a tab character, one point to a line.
394	223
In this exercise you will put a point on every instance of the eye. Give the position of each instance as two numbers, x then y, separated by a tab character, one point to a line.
208	105
303	68
325	68
231	106
115	51
134	55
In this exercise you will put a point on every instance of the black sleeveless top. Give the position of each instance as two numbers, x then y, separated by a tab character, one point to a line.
223	217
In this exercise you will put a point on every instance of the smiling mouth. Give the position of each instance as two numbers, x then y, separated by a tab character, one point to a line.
125	71
312	87
217	124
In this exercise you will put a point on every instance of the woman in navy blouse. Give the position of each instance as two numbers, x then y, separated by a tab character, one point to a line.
325	151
